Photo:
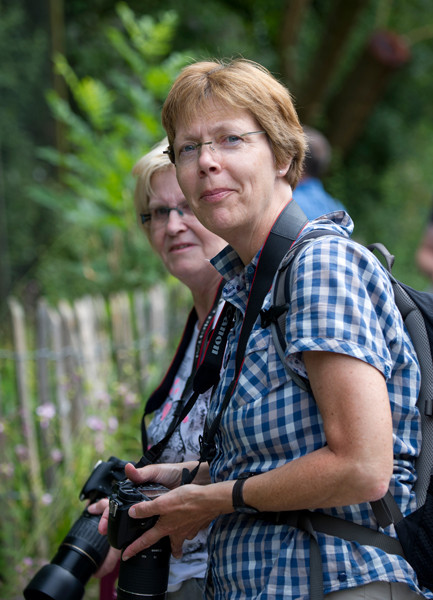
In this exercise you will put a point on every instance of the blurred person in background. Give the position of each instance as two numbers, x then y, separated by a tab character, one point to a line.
424	253
185	247
310	193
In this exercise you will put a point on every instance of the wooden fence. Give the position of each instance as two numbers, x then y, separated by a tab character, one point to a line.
64	358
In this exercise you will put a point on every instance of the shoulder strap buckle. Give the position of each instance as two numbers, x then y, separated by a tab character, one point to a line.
272	314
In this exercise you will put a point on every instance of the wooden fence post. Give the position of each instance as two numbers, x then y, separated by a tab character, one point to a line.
91	351
158	309
29	430
43	385
72	365
104	350
143	338
123	339
62	400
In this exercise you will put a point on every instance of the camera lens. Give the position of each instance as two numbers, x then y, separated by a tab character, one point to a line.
145	575
78	557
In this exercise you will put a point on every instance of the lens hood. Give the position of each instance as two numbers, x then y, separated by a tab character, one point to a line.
53	582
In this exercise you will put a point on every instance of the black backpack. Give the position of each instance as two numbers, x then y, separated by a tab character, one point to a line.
415	531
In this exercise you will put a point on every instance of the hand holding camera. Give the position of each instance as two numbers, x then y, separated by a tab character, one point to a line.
84	549
146	573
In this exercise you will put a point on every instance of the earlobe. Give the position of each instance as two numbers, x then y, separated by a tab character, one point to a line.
282	171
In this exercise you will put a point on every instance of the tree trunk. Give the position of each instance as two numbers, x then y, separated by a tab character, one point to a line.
5	263
349	110
293	13
57	26
340	22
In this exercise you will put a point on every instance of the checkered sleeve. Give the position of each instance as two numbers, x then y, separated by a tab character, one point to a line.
340	302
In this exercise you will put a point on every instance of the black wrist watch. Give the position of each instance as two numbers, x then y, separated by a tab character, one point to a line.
237	498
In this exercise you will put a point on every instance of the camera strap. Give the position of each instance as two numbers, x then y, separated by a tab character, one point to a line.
283	234
184	406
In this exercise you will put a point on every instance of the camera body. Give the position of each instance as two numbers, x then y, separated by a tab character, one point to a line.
122	529
145	574
84	549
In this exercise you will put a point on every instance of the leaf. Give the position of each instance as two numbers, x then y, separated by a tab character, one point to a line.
96	101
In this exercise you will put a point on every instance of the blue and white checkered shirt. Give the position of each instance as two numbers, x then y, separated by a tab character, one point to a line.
342	302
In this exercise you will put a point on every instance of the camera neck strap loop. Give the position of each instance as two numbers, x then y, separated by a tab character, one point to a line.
183	408
153	454
158	397
286	229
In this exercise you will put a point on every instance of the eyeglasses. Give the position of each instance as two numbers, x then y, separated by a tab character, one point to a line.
225	143
158	216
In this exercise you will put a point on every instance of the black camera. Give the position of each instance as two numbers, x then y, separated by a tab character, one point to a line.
145	574
84	549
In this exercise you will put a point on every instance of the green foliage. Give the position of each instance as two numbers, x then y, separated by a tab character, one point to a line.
149	38
92	96
109	124
23	118
121	61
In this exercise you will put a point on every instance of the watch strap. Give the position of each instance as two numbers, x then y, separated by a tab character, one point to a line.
237	496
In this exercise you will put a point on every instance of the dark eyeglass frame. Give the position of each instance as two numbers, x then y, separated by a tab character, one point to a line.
147	217
170	153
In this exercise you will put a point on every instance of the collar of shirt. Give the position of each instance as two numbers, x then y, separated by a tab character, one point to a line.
239	277
338	221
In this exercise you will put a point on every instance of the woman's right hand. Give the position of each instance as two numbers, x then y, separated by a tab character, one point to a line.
97	508
109	563
113	556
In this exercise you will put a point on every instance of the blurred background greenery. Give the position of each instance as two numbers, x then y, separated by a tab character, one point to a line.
82	84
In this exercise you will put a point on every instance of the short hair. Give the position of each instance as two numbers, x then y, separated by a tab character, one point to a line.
318	155
149	164
241	84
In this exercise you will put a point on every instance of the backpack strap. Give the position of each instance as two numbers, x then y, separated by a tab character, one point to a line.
275	315
386	510
416	308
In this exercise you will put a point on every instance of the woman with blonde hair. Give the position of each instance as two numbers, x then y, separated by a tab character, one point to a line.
185	248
